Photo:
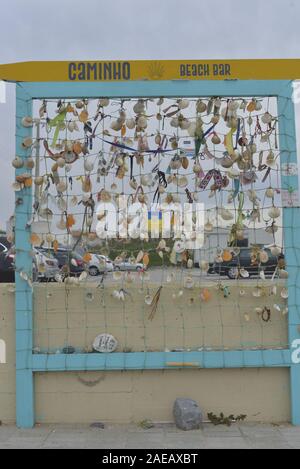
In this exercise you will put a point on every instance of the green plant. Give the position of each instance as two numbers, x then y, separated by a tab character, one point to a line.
223	420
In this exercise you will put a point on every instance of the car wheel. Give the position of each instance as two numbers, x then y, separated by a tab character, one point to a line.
93	271
232	273
117	267
138	268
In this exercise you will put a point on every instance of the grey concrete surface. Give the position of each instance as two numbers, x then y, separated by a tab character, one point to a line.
161	436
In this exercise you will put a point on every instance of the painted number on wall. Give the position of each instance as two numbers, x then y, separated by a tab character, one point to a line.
296	352
2	351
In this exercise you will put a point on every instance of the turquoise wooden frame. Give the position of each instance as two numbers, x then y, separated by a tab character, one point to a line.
28	363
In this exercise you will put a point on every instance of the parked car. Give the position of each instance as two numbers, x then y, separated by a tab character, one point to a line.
7	273
127	265
99	264
69	262
44	266
243	260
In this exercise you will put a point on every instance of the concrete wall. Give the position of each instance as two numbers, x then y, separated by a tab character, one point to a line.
262	394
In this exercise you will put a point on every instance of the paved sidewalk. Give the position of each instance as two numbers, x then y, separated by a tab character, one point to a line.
162	436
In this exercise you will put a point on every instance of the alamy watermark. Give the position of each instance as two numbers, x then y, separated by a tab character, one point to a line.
163	220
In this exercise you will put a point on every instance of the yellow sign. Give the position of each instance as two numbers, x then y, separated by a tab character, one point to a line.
260	69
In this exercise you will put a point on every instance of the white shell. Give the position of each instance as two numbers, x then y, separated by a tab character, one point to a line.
274	212
142	122
183	103
17	162
225	214
29	162
27	142
103	102
266	118
88	166
27	121
275	250
61	186
130	123
270	192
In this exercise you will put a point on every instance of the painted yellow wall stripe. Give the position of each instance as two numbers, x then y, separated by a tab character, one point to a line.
252	69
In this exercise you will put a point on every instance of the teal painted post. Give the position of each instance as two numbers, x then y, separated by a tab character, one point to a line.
291	224
23	296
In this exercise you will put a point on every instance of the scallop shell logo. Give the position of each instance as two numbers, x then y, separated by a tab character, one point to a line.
155	71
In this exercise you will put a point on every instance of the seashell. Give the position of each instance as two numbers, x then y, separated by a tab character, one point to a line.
266	118
284	293
71	126
182	181
27	142
275	250
148	299
282	273
38	181
270	192
184	124
225	214
139	107
62	224
88	166
46	214
17	162
61	186
83	116
142	122
200	106
244	273
174	122
29	162
274	212
133	184
22	177
251	105
215	139
175	162
262	275
226	255
146	180
49	238
270	160
205	295
35	239
183	103
27	121
188	282
179	247
204	266
208	226
130	123
189	263
116	125
263	256
258	106
117	275
103	102
215	119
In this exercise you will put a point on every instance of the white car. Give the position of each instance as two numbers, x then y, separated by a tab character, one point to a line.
99	264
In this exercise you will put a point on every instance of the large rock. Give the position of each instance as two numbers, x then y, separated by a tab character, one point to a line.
187	414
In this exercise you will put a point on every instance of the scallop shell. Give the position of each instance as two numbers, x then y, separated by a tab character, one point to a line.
27	121
215	139
61	186
275	250
200	106
142	122
88	166
225	214
38	181
208	226
103	102
17	162
270	192
182	181
29	162
116	125
284	293
266	118
183	103
27	142
130	123
174	122
274	212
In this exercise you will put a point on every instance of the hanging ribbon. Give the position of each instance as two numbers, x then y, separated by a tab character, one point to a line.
162	182
56	122
228	141
217	178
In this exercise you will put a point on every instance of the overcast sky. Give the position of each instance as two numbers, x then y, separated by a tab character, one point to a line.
135	29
